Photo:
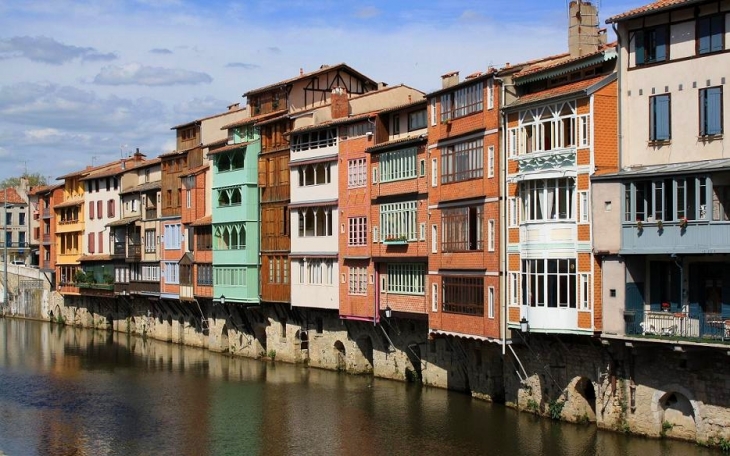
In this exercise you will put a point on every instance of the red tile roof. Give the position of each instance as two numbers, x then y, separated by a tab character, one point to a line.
549	64
250	120
13	197
322	69
196	170
329	123
203	221
558	91
650	8
220	150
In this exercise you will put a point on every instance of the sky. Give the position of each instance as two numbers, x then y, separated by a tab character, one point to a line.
87	82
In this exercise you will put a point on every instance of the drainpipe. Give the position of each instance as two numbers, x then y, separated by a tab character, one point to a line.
618	89
502	214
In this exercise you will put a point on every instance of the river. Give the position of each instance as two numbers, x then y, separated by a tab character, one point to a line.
70	391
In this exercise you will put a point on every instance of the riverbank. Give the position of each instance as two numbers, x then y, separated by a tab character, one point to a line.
643	388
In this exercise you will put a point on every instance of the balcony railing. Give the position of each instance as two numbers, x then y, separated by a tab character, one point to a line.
689	326
144	287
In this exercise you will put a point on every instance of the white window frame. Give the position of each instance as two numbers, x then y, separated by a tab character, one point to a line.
358	280
514	217
434	173
514	289
584	206
434	297
406	278
173	237
491	235
357	173
398	165
357	231
490	161
490	302
398	220
490	94
172	272
585	296
434	116
434	239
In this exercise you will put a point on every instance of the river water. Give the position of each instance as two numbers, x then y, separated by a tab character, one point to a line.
69	391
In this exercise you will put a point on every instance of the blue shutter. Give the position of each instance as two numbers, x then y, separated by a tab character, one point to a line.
639	47
703	26
660	35
714	111
660	130
716	31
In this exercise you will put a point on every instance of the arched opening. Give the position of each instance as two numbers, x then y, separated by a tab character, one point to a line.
237	160
413	372
260	333
236	197
341	355
365	344
584	400
224	164
225	348
303	339
677	416
109	321
223	199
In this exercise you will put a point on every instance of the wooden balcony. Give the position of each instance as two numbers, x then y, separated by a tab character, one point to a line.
150	213
146	288
101	290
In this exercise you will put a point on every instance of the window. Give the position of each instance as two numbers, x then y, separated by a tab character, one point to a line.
514	288
396	124
490	302
315	221
514	218
230	236
462	102
585	291
229	197
660	118
491	235
150	246
357	173
490	161
357	230
434	297
172	237
186	274
422	168
188	199
406	278
433	112
204	237
651	45
92	206
512	149
21	218
358	280
434	239
417	120
549	283
231	161
461	229
490	94
279	269
710	32
317	272
151	273
547	199
230	276
357	129
711	111
462	161
668	200
99	209
548	128
398	221
315	174
172	272
434	172
463	295
205	274
583	207
314	140
397	165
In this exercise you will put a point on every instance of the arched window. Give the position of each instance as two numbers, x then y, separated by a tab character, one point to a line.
236	196
320	174
223	199
309	219
224	163
237	159
309	175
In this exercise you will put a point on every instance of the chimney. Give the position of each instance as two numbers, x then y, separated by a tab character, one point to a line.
233	107
340	105
449	79
584	36
138	156
301	71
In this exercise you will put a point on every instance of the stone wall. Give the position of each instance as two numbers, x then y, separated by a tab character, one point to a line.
644	387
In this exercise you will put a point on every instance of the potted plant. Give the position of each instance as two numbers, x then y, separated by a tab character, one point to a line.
683	222
660	225
639	225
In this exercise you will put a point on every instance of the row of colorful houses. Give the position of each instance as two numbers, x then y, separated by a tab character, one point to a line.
581	193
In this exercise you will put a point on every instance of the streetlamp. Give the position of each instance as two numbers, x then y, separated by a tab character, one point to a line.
524	326
223	300
388	311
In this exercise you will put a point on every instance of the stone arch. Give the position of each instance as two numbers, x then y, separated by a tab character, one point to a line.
365	344
340	355
260	334
109	321
303	338
677	414
225	347
582	399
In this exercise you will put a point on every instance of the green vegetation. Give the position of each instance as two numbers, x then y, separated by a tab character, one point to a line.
666	427
555	409
34	180
272	355
533	406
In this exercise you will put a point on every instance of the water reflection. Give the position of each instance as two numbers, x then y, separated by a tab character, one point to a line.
72	391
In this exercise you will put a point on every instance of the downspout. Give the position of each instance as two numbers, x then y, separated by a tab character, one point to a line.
619	78
503	228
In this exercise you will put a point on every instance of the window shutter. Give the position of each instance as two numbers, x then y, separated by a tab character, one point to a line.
100	209
705	35
91	242
91	210
639	47
714	111
716	33
660	118
101	242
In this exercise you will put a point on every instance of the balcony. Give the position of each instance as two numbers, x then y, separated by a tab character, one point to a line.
130	252
150	213
46	239
145	288
680	326
46	214
670	237
547	160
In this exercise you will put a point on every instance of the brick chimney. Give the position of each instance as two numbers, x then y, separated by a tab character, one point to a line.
138	156
449	79
340	105
584	35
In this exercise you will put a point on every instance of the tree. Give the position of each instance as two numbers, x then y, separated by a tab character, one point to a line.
34	180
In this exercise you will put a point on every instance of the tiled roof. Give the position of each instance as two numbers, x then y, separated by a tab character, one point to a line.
213	116
560	62
322	69
196	170
142	187
220	150
125	221
474	77
650	8
665	169
13	196
216	143
177	152
95	258
254	119
203	221
412	104
72	203
396	142
329	123
563	90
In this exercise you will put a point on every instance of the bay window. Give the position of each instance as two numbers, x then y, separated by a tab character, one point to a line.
548	199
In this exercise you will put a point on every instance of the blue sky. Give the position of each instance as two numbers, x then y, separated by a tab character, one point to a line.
84	82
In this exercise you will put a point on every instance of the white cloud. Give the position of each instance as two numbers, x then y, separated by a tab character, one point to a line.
245	66
138	74
47	50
